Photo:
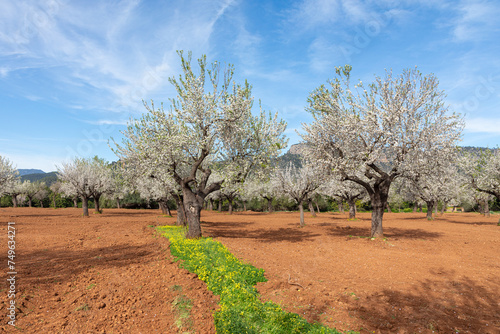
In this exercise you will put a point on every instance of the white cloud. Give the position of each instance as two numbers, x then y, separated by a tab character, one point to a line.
476	20
483	125
105	50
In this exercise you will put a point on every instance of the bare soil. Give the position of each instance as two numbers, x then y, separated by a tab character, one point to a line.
110	274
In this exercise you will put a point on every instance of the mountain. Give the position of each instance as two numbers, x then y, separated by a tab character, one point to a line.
30	171
48	178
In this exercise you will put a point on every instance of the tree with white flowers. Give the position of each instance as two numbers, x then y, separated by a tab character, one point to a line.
33	190
344	191
482	171
299	183
88	178
14	189
373	134
8	175
262	187
209	126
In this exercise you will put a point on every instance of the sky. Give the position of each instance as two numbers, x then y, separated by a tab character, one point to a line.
73	73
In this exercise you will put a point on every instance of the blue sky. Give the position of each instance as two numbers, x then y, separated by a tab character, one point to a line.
72	73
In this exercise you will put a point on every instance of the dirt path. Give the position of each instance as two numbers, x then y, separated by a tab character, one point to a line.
103	274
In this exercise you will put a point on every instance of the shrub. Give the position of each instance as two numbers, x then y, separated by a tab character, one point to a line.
408	210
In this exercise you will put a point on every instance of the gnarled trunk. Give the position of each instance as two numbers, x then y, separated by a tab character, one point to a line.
301	208
379	202
352	208
97	207
311	207
181	217
14	200
75	203
430	208
340	204
388	207
269	204
118	203
164	207
85	206
192	207
220	206
230	203
486	208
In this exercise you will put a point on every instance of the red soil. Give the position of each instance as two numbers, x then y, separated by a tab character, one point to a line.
438	276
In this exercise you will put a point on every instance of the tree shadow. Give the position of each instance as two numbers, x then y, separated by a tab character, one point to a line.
56	264
443	306
389	232
237	230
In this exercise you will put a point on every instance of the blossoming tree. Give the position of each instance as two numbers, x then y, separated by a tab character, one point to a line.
209	126
373	134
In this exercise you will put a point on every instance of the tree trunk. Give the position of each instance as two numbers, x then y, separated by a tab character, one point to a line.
210	204
317	207
377	215
311	208
97	207
340	204
301	208
245	206
388	207
75	202
85	206
220	206
54	201
14	200
415	207
118	203
443	207
486	208
430	208
181	217
269	204
164	208
193	210
41	204
352	208
230	201
29	201
379	202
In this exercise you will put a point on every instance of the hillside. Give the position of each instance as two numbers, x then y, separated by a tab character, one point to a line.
48	178
23	172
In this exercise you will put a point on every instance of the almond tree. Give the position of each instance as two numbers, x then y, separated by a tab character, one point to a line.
209	125
56	189
88	178
299	183
14	189
264	187
8	174
372	135
345	191
482	171
33	190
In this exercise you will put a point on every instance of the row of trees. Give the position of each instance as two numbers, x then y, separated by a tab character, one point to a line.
393	137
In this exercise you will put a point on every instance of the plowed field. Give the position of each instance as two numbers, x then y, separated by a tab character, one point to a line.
109	273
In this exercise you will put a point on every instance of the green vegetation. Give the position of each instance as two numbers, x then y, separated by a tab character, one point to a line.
240	311
182	307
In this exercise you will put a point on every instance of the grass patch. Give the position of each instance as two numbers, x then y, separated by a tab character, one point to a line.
240	310
182	307
83	307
